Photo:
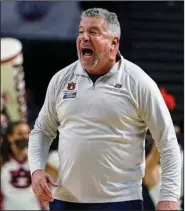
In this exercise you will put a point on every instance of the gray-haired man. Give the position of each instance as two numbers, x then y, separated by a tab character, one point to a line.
102	106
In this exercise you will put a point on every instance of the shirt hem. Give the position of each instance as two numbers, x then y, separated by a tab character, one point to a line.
135	195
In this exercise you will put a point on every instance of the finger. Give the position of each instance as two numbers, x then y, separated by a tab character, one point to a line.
42	188
36	189
40	193
51	181
48	195
43	199
46	189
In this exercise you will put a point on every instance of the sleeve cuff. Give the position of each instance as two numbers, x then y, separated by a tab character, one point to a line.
38	167
168	198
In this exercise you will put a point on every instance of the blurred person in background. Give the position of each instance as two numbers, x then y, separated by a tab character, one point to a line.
16	191
102	105
15	173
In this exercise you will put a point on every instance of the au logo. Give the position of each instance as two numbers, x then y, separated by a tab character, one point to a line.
71	86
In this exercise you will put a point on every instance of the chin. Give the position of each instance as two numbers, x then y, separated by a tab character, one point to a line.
87	66
90	66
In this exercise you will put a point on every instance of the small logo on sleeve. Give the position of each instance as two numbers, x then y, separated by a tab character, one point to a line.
118	86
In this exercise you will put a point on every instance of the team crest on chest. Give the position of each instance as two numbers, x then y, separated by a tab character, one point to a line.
70	92
71	86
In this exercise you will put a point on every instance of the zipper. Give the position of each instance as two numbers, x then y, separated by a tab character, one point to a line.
94	84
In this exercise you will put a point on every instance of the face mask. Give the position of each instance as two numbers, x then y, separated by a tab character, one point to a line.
21	143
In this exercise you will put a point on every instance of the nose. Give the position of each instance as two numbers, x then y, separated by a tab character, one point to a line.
26	136
85	36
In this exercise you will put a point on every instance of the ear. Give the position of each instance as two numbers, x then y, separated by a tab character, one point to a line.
115	42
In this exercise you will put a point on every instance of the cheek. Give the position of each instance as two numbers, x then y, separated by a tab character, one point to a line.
101	45
78	44
17	137
13	146
25	135
96	43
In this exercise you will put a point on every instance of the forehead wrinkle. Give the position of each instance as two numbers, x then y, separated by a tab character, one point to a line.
94	22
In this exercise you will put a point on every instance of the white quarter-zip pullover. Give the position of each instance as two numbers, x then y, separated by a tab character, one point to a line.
102	129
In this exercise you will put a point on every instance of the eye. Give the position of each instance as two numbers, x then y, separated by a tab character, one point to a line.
80	32
94	33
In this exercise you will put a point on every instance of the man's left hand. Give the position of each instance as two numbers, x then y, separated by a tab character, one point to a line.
167	205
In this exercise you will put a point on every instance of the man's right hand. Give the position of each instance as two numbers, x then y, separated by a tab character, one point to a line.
41	181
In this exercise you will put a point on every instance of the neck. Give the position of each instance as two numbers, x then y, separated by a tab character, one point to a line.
20	155
102	70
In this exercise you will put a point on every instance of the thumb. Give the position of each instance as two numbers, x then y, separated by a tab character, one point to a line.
51	181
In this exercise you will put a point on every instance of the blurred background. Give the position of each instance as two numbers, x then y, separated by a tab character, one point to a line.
38	39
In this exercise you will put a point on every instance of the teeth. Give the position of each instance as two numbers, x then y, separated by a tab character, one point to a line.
87	54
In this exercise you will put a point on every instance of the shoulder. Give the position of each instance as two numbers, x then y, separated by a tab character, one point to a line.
7	163
63	73
138	76
60	78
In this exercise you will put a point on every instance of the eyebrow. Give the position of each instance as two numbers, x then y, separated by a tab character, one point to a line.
93	27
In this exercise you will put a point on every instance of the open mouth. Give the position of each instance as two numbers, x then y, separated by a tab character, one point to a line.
87	52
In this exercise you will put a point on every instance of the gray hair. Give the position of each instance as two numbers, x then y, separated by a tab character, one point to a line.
110	18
